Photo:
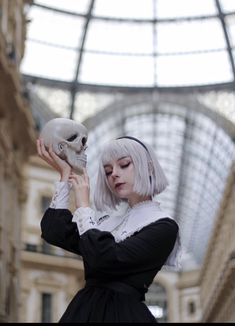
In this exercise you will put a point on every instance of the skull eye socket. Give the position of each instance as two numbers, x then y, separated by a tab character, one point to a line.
84	139
72	138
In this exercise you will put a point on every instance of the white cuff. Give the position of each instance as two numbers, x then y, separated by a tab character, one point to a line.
61	195
85	219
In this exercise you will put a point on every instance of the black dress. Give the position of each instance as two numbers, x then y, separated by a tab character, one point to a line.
117	274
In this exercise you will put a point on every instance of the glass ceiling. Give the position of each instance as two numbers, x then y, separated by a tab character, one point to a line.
106	49
131	43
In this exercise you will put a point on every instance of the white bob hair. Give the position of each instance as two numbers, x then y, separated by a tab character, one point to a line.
150	179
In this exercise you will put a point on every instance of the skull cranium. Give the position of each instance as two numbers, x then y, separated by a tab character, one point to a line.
68	139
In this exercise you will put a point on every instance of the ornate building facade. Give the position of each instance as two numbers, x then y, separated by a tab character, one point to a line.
16	144
50	277
217	276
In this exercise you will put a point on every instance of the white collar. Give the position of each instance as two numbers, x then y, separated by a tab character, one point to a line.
131	220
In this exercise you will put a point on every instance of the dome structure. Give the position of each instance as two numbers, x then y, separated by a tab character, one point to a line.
130	44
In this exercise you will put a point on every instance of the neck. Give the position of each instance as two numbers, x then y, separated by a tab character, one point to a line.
138	199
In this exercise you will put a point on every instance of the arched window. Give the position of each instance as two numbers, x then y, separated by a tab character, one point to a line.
156	300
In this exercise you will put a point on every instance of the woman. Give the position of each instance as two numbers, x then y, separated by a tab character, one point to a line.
121	254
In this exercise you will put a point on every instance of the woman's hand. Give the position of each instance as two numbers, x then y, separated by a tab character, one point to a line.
81	187
54	160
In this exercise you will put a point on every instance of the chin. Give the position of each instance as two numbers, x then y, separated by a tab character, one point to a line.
123	195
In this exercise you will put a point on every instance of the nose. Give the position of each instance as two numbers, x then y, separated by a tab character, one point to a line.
115	173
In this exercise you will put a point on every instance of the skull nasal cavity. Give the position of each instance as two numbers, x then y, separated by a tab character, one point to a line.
84	141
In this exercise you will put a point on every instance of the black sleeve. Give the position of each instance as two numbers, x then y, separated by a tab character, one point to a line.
153	243
59	230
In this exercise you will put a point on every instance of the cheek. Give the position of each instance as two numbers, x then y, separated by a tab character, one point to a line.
131	173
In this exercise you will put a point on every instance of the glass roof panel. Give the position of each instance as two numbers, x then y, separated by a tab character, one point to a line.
124	8
228	5
222	102
233	52
230	21
119	70
77	6
119	37
185	8
57	28
87	104
197	69
56	99
190	36
42	60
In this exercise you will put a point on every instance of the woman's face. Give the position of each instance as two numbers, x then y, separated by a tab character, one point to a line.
120	176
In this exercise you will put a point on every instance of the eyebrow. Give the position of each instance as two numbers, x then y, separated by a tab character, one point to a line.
121	158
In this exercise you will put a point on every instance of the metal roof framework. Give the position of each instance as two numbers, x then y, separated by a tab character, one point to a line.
90	20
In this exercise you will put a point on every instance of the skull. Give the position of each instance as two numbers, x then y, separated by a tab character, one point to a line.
68	139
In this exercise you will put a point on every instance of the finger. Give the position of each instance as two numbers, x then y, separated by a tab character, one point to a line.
71	177
46	155
75	177
80	181
51	151
39	147
54	156
86	177
43	148
42	144
73	183
43	152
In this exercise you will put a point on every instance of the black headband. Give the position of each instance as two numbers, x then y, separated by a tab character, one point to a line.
135	139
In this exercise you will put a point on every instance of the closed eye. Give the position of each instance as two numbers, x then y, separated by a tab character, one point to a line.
72	138
123	166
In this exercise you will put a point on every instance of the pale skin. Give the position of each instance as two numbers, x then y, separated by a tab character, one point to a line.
120	176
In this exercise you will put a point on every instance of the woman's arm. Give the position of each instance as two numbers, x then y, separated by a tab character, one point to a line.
58	229
153	244
56	225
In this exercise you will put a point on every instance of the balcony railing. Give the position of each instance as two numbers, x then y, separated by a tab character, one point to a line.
49	250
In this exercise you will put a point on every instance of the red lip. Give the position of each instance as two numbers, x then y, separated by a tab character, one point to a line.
118	184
